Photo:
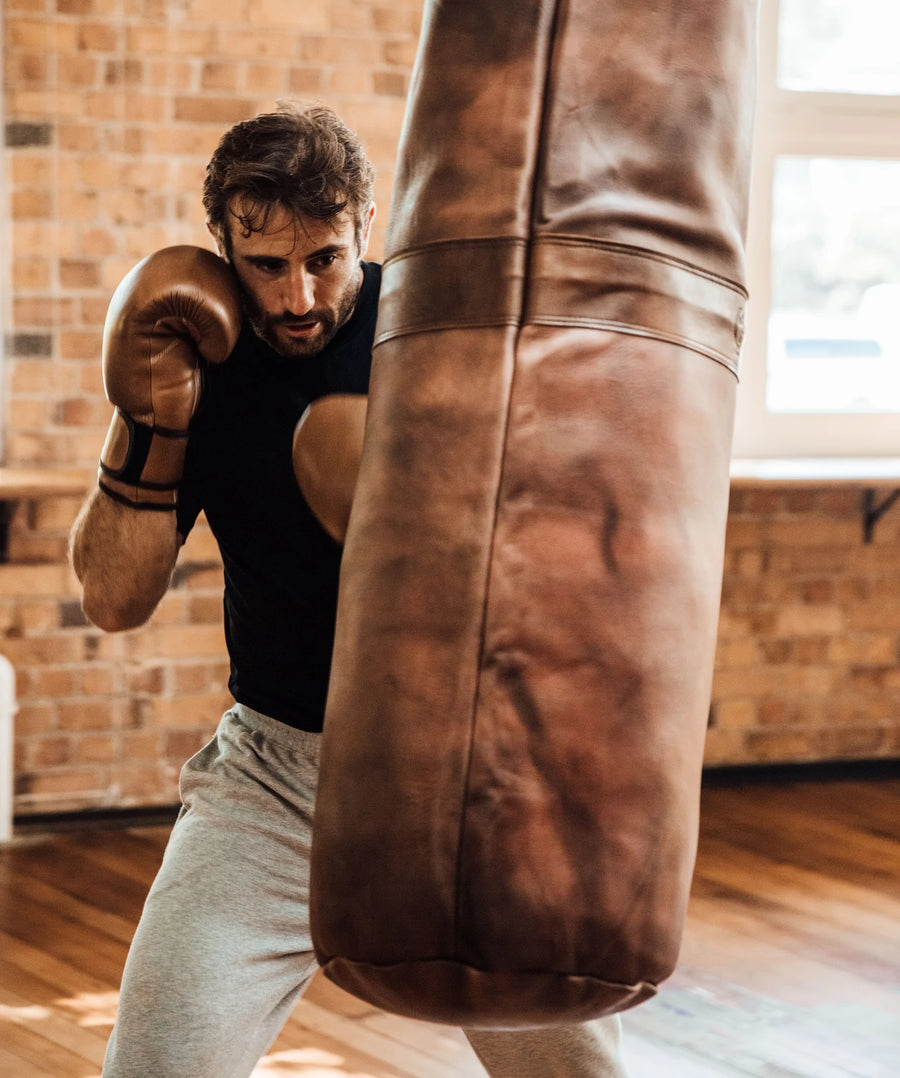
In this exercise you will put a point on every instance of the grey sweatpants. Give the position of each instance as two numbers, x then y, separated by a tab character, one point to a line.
223	952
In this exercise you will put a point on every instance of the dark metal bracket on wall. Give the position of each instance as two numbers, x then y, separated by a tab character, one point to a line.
874	510
7	510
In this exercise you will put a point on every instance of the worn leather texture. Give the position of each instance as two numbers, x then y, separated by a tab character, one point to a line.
507	814
174	310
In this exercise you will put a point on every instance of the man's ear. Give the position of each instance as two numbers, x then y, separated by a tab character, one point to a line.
366	230
217	236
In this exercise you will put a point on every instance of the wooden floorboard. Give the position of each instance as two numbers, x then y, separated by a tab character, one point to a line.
790	964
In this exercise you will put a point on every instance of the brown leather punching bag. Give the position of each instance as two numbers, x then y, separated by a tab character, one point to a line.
507	815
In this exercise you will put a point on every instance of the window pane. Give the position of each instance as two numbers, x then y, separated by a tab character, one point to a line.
839	46
834	328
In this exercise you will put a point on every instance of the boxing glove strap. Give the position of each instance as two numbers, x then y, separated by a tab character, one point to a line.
126	499
142	465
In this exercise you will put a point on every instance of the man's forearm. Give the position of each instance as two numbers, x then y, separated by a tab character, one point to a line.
124	559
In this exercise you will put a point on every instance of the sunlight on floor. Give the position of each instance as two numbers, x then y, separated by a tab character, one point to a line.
307	1062
92	1008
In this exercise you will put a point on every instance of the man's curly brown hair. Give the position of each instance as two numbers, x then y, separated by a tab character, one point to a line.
301	158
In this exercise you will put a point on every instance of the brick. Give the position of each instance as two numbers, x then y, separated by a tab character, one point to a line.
218	110
24	68
78	274
78	205
177	641
31	274
257	44
25	133
104	647
306	80
29	167
98	680
36	549
269	80
196	42
148	108
32	412
205	608
124	71
847	743
390	83
865	649
399	20
139	242
89	714
724	747
737	653
148	785
197	710
283	13
401	53
32	203
32	580
34	718
38	345
219	75
47	752
172	610
146	678
38	616
78	70
180	745
765	746
94	749
141	746
738	713
99	37
809	618
143	40
199	677
774	713
34	102
57	788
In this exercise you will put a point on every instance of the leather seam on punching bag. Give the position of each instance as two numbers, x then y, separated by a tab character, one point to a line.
584	282
425	282
636	331
574	239
576	281
521	293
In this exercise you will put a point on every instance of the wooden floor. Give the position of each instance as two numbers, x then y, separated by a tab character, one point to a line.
790	966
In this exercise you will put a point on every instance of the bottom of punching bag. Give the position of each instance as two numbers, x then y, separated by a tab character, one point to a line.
451	993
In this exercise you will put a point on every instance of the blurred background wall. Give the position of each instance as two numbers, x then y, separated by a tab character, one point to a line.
111	110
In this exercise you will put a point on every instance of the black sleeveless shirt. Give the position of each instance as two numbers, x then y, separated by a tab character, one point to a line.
281	567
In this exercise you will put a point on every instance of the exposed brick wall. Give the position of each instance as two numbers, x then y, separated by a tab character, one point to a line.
112	108
808	660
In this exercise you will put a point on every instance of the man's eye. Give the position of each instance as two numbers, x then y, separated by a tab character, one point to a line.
326	260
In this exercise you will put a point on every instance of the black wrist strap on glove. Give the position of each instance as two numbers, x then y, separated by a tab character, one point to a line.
140	465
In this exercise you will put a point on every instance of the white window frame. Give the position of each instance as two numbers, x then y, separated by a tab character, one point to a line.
792	123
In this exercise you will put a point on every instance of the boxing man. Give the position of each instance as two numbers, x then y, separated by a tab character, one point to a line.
235	378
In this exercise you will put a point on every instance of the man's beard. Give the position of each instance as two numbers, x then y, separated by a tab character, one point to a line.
329	322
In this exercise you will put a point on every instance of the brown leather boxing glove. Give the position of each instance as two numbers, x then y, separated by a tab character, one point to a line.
174	310
328	442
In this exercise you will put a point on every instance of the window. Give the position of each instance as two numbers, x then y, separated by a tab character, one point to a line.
821	364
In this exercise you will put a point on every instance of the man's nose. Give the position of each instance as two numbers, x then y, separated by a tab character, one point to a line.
298	294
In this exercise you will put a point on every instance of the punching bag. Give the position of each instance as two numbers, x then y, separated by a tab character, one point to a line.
507	815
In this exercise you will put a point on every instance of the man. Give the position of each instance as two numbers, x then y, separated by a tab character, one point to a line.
213	365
